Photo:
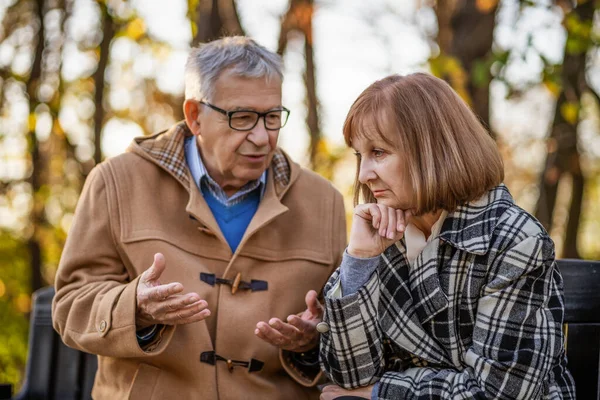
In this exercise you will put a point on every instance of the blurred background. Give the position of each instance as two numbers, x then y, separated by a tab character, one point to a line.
80	78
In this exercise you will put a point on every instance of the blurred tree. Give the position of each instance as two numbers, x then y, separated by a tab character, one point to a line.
32	29
297	24
212	19
109	29
14	295
298	20
563	157
465	37
35	178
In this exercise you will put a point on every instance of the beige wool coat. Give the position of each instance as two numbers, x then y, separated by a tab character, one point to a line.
145	201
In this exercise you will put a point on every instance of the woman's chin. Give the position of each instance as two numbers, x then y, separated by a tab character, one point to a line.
388	202
395	204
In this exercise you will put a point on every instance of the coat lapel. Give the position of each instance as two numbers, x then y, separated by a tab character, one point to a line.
411	297
269	208
429	298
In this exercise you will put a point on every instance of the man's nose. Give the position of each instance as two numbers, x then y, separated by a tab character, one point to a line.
259	135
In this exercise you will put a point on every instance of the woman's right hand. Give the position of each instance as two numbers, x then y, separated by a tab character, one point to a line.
375	227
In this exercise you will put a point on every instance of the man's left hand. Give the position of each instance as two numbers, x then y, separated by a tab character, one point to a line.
299	333
331	392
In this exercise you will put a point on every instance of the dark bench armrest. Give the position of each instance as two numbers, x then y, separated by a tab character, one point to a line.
5	391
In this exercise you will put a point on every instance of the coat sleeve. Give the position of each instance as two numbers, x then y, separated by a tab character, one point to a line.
95	303
297	372
516	338
352	350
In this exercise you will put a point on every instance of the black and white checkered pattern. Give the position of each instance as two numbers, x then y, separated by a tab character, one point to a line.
478	315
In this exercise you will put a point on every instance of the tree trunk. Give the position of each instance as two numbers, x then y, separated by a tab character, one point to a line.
312	116
298	18
37	213
466	32
563	153
108	32
570	242
215	19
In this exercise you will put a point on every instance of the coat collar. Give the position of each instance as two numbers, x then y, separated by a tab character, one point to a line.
470	226
167	150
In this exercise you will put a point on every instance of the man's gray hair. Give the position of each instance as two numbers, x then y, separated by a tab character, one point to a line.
238	54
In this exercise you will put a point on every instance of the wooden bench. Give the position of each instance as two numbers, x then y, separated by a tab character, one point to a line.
56	372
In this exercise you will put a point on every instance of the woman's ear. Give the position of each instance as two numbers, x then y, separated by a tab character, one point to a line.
191	111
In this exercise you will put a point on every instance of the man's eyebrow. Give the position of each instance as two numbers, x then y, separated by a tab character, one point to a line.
275	108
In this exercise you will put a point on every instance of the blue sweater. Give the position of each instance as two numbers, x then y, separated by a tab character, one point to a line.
233	220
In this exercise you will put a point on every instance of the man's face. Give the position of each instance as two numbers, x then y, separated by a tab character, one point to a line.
233	158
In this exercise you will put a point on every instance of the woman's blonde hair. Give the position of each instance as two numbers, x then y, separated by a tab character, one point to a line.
450	157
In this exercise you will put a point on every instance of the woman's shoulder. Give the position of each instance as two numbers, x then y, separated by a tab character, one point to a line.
517	222
519	245
494	222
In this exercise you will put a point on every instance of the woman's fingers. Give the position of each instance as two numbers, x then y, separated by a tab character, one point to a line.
374	228
391	231
407	216
401	220
373	210
384	215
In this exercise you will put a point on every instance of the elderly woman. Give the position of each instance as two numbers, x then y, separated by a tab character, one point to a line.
447	289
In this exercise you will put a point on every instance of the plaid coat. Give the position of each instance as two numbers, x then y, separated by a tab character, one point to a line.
478	315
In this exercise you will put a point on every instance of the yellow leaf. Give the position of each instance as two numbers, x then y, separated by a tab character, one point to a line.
136	29
570	112
486	6
57	128
23	303
2	288
552	88
452	65
31	122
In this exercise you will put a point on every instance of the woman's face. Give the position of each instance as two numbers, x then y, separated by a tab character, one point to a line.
383	170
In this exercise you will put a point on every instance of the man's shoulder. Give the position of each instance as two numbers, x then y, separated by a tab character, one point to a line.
121	169
310	177
125	161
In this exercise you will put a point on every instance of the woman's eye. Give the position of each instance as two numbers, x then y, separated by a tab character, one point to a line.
378	153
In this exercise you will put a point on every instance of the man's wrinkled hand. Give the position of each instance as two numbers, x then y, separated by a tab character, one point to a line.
299	332
164	304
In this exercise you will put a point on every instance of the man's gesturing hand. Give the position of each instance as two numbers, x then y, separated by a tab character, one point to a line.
162	304
299	333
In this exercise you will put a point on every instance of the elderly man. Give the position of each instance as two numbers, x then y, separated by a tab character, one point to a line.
191	254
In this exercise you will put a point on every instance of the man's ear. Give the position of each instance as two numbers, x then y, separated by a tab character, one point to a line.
191	111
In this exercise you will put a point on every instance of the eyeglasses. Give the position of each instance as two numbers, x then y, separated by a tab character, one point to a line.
245	120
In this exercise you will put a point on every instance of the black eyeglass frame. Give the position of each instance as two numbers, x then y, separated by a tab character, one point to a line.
228	114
